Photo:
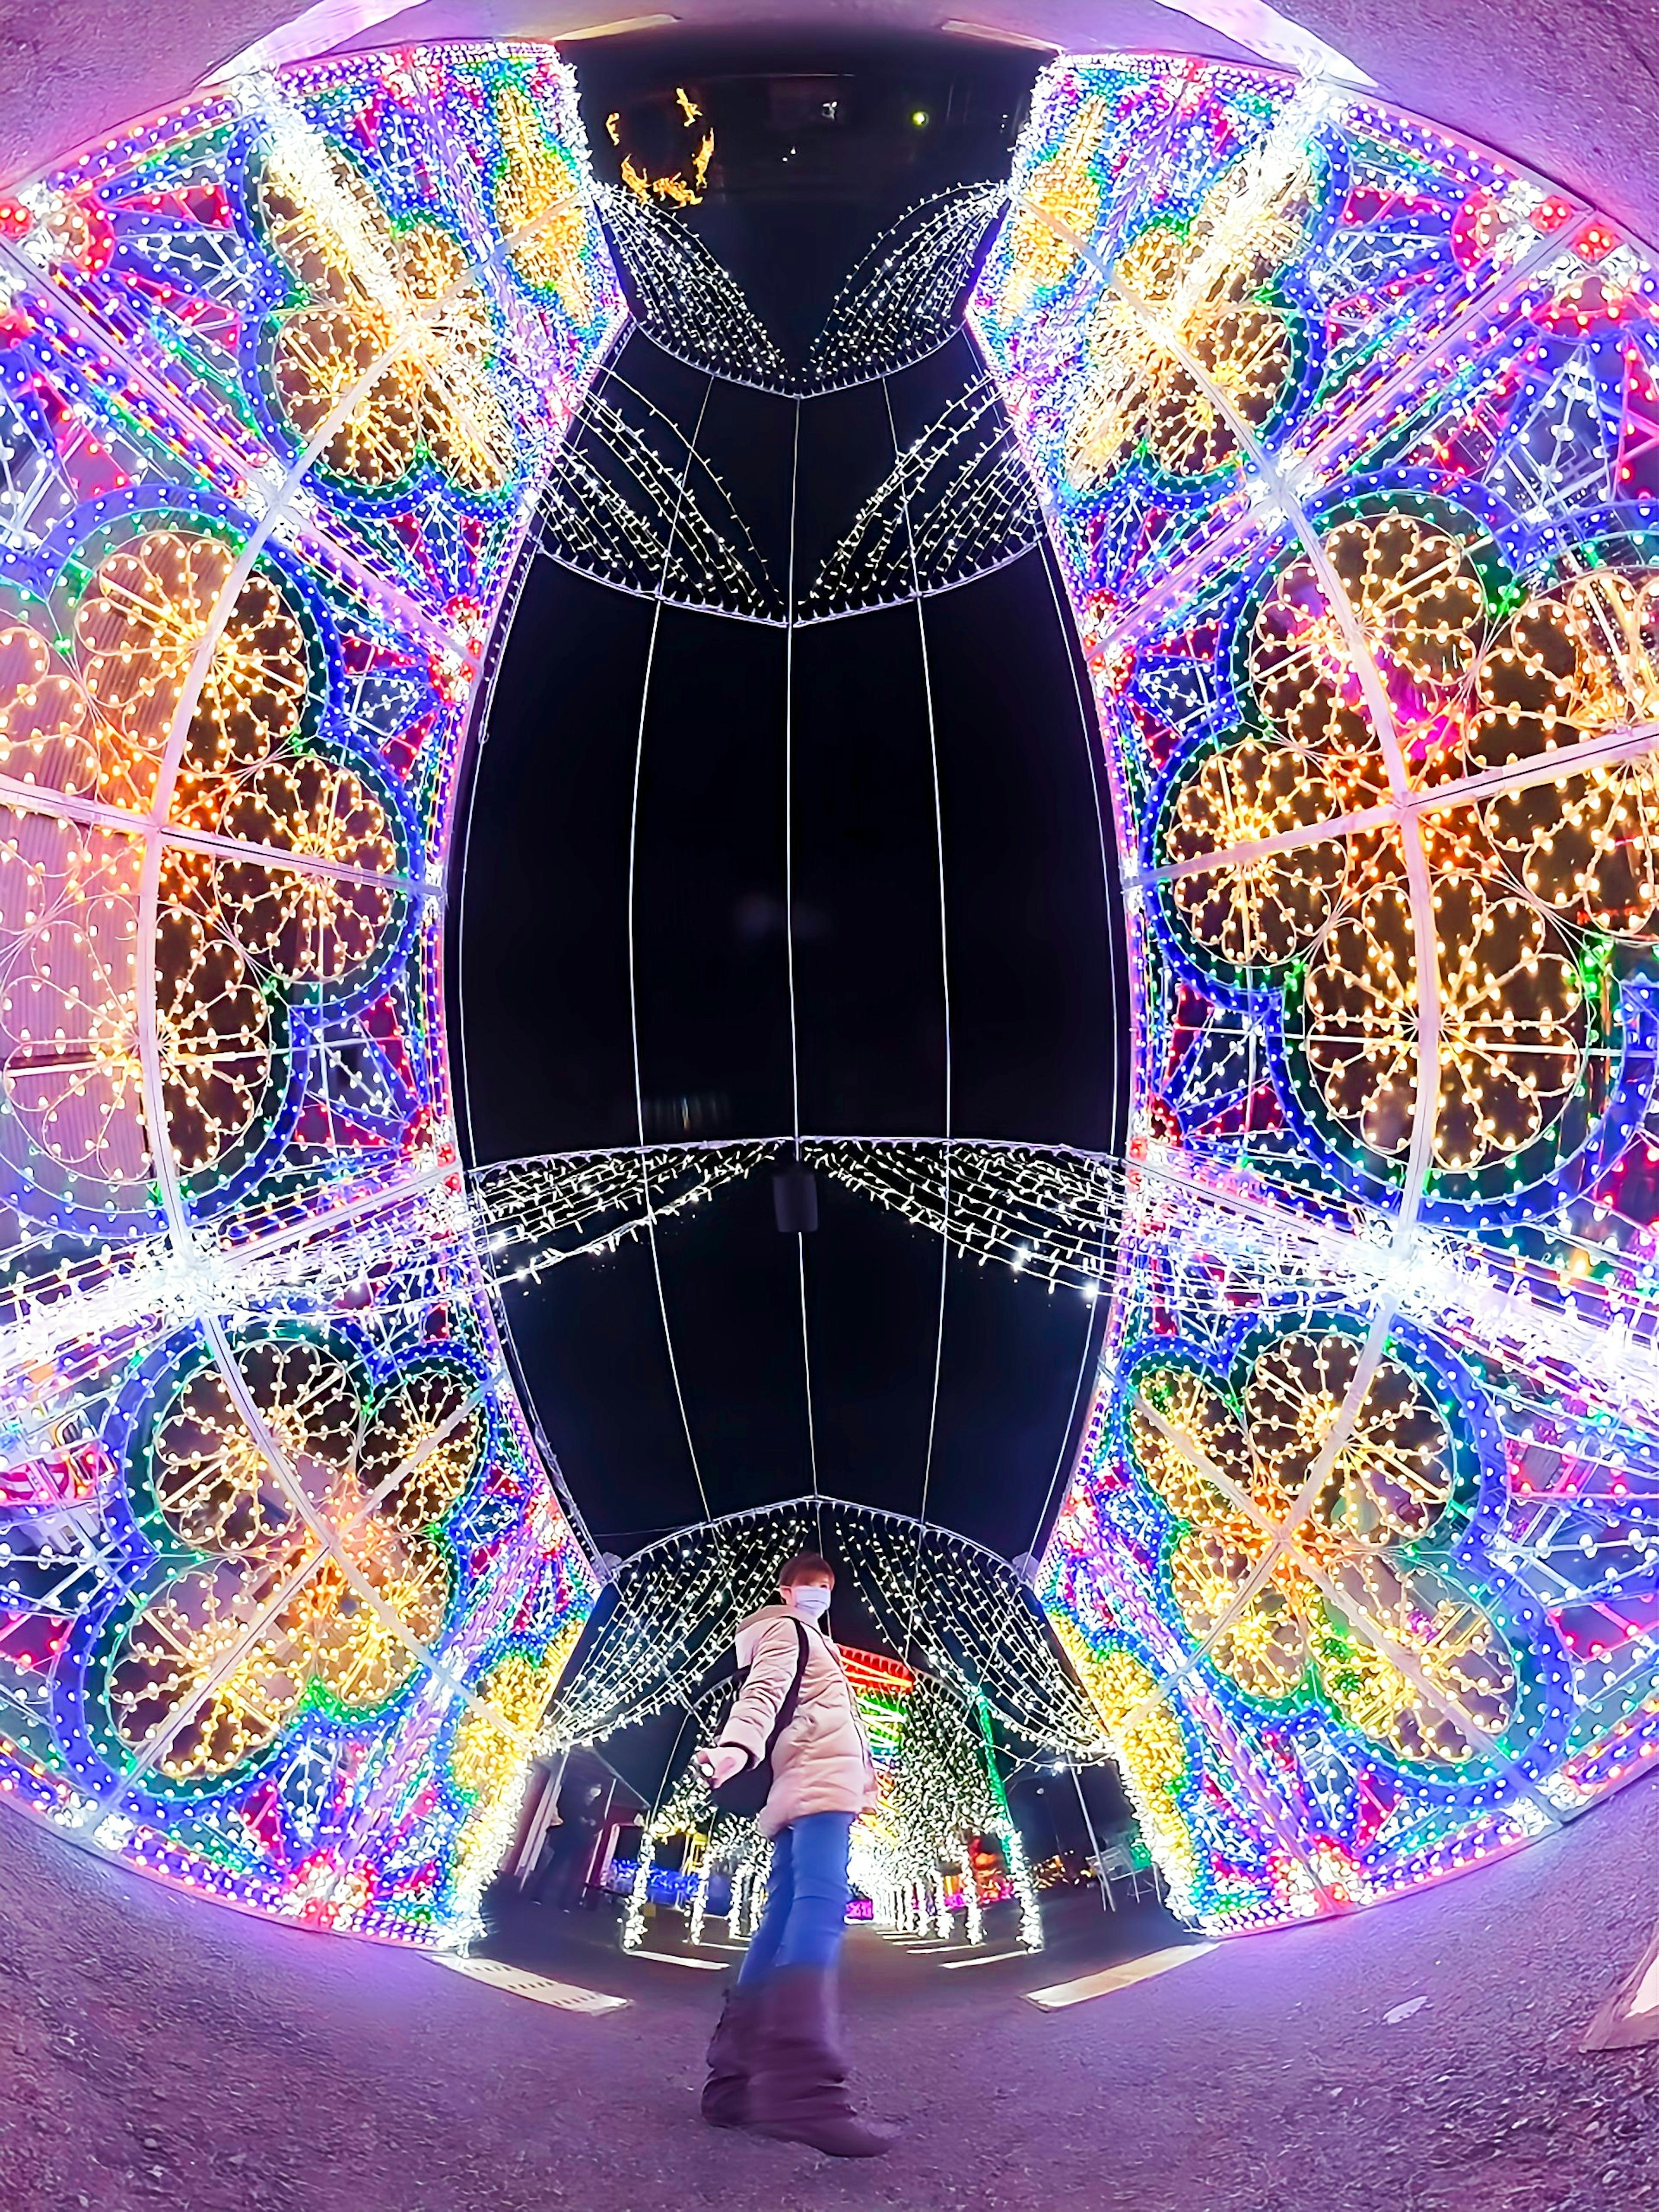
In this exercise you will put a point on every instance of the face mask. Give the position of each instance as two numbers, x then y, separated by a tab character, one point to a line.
812	1599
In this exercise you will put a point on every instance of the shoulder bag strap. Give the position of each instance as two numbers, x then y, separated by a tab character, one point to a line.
792	1695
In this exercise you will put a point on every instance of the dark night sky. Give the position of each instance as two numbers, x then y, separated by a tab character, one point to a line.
542	973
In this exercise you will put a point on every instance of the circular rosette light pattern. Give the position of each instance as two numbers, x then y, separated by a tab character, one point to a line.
1308	1557
1384	628
1395	663
1195	349
1515	1029
93	688
1255	797
1576	665
386	355
308	1505
92	685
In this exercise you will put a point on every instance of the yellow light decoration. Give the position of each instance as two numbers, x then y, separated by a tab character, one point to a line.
1513	1022
486	1758
537	186
301	924
1194	290
488	1763
1147	1744
683	187
1259	914
1390	1480
1514	1027
69	1002
373	294
137	627
1244	1483
337	1550
1067	185
214	1038
1574	666
1418	606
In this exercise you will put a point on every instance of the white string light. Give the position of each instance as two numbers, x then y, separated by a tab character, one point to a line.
957	503
614	509
901	302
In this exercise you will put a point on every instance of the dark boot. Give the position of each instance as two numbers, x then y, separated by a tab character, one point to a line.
731	2060
798	2089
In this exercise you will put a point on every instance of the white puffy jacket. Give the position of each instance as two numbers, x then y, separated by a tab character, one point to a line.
821	1763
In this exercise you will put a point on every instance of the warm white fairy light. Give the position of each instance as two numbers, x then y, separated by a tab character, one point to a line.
536	1214
966	1613
685	300
902	301
627	503
955	504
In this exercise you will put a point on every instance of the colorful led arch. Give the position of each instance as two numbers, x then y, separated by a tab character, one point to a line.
1347	436
283	1587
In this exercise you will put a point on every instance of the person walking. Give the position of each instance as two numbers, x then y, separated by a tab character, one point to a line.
775	2063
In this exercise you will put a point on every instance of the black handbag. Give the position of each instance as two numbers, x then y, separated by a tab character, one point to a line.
746	1792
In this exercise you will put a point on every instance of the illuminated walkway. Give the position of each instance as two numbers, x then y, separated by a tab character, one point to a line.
160	2051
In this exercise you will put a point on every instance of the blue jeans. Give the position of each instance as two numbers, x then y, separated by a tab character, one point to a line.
805	1915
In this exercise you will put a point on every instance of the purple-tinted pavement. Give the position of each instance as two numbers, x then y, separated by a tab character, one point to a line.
160	2051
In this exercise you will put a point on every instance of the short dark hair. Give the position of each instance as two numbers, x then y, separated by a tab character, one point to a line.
803	1564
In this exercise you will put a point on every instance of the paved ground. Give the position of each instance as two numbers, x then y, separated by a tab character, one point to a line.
160	2051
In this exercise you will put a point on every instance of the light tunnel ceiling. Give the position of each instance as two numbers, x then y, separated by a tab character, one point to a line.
1347	438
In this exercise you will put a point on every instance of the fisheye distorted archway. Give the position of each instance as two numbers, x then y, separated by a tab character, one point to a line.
1346	437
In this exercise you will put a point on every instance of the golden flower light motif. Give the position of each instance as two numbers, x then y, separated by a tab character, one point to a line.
1187	297
1418	610
1514	1022
138	630
320	1583
139	623
1064	189
1258	913
304	925
485	1756
52	735
1146	1741
214	1036
1241	1476
1574	665
93	716
69	1063
536	193
1514	1019
391	342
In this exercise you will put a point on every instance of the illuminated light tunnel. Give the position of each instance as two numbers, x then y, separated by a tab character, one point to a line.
1346	437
